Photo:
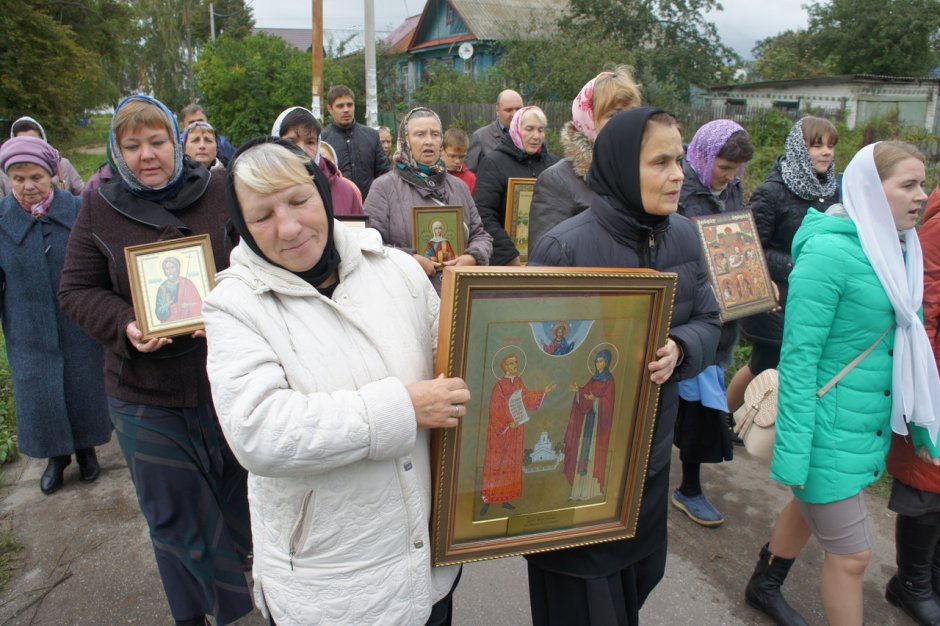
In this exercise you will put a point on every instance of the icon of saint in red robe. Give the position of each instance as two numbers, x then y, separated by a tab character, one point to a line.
588	432
502	463
177	297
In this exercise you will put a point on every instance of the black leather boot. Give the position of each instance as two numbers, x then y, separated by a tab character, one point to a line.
910	589
935	572
763	590
88	468
51	479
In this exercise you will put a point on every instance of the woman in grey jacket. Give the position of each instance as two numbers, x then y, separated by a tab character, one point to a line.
419	178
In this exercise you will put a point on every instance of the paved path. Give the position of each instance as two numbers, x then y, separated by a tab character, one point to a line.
87	558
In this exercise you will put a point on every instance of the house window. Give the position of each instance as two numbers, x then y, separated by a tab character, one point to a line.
449	15
468	67
448	62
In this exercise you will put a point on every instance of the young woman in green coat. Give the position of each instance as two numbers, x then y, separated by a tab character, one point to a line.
857	283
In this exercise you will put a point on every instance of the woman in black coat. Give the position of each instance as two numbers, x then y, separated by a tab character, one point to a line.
803	177
522	155
632	222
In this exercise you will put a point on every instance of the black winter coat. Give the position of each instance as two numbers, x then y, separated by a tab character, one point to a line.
696	200
505	162
586	240
359	154
778	213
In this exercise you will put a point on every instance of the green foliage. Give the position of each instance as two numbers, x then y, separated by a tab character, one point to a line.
174	33
247	82
44	72
793	54
8	449
443	84
673	44
10	550
108	29
896	38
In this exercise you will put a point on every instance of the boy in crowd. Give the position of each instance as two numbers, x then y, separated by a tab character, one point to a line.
456	144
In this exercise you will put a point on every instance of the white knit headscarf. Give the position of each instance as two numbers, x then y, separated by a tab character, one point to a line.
915	382
276	129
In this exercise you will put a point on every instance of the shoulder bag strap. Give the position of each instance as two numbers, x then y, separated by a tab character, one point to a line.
848	368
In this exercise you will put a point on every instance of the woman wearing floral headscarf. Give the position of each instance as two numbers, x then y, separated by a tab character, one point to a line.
191	489
419	178
561	191
521	155
803	177
718	153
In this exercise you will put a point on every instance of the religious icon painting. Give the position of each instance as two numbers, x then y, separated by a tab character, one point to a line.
519	193
553	449
438	232
169	280
737	270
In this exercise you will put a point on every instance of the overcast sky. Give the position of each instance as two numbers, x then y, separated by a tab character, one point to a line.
741	24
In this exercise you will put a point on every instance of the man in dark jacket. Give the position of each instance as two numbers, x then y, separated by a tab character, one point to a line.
359	153
485	140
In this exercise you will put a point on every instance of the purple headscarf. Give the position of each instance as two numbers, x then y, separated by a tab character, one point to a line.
26	149
705	146
515	126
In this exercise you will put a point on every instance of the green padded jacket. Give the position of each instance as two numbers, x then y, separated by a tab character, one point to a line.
836	445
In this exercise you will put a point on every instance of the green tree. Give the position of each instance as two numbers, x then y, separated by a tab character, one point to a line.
232	17
110	30
791	54
895	38
44	72
247	82
674	46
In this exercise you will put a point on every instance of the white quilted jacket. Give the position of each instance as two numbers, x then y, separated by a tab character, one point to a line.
311	396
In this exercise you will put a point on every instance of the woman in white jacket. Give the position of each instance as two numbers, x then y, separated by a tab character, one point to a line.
320	359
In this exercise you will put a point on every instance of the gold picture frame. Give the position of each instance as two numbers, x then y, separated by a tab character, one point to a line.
169	281
553	449
518	203
737	269
446	246
355	222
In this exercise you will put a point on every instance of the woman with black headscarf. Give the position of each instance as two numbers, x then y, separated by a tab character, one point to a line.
320	358
191	489
637	174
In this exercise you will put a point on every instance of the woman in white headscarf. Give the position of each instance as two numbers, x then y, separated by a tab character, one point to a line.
852	320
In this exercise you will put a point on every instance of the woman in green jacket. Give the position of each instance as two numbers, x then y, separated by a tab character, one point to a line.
856	285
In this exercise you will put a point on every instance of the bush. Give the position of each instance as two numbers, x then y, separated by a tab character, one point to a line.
8	450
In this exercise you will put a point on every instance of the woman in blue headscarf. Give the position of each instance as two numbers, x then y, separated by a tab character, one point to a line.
191	489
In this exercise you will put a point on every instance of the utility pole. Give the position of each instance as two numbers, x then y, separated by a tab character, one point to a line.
212	20
372	108
316	59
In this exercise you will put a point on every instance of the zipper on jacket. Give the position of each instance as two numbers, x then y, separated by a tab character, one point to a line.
299	532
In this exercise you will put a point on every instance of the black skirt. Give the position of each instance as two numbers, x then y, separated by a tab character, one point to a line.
702	434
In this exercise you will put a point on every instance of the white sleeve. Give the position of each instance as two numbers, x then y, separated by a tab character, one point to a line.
277	431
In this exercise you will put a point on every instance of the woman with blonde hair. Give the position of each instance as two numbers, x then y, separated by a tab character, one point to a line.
321	346
856	363
562	190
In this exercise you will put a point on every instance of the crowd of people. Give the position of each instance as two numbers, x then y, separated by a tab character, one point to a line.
312	385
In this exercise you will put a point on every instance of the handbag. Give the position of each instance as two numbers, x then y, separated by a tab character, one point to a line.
756	420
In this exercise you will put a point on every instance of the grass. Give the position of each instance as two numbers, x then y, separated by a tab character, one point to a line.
10	550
